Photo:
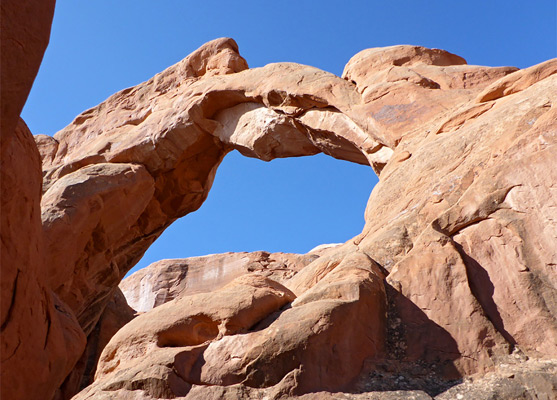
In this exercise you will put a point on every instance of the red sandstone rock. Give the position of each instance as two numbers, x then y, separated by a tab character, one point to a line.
437	163
307	340
95	209
172	132
116	314
166	280
468	198
40	337
462	222
23	40
404	88
177	332
518	81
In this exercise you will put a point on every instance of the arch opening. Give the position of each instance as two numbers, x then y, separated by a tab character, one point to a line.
286	205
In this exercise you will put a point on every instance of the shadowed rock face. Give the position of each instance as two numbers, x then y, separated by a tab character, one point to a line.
40	339
454	268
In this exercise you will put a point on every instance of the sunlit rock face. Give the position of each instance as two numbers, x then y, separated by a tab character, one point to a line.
454	269
444	156
165	280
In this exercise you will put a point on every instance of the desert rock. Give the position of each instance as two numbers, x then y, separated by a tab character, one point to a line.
40	337
453	272
197	337
444	169
166	280
116	314
23	40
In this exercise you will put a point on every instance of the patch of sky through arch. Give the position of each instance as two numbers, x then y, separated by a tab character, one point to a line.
287	205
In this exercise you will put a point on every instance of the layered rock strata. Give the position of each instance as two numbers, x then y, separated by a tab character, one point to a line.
454	269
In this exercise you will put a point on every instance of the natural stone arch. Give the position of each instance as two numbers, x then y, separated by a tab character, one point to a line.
123	171
393	106
478	148
126	169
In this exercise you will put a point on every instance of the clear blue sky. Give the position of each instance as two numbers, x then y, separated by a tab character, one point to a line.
100	47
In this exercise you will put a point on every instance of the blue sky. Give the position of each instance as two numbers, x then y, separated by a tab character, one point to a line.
292	205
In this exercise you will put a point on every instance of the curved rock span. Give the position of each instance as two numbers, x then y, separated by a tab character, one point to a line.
454	270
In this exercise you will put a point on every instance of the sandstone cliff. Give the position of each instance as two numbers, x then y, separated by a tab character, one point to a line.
453	272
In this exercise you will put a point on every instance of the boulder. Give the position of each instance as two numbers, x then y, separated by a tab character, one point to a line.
243	334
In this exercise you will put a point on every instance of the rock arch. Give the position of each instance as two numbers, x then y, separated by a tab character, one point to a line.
462	151
123	171
126	169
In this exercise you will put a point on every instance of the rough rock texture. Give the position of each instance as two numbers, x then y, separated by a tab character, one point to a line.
454	270
405	88
516	379
457	211
233	335
23	40
40	339
165	280
455	183
116	314
103	200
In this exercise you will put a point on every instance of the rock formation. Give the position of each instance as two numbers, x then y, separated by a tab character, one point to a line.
453	272
116	314
165	280
40	337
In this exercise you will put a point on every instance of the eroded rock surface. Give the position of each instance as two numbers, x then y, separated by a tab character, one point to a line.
238	335
116	314
165	280
455	268
447	165
40	339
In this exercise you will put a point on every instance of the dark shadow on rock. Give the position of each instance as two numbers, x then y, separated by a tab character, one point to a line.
482	288
420	354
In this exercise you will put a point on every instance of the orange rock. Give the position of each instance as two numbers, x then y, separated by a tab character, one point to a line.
96	210
40	337
238	334
456	262
404	88
436	151
116	314
496	245
176	332
23	40
166	280
165	139
518	81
